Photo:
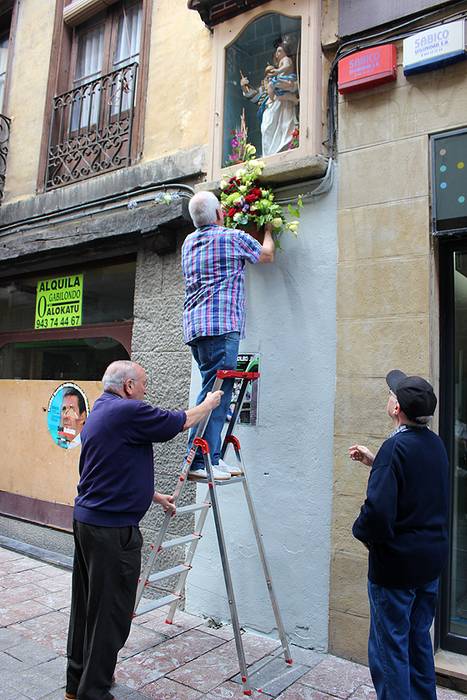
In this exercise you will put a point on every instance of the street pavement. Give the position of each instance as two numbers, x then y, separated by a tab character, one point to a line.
188	660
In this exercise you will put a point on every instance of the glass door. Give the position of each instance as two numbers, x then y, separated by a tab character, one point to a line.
453	425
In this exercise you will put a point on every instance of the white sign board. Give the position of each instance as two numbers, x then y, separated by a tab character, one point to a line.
436	46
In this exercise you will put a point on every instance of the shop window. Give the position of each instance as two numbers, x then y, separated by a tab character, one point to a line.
81	359
107	292
267	91
449	181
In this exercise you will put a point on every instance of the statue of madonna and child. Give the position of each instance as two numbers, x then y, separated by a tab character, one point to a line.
277	99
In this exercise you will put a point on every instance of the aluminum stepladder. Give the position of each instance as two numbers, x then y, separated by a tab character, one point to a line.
211	501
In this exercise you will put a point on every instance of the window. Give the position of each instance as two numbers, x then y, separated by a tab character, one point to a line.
268	84
449	181
92	121
4	42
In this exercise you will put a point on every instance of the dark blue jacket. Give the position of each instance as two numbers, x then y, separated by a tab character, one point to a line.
116	465
404	519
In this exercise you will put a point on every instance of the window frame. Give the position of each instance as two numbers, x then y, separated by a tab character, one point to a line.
62	67
225	35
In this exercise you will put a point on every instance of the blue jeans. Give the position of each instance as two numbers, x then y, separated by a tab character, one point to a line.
400	651
212	353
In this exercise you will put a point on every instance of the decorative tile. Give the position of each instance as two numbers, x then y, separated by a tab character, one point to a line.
165	689
337	677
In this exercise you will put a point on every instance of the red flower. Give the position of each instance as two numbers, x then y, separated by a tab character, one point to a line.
231	212
251	198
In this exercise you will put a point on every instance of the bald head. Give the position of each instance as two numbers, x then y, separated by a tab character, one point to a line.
126	379
205	209
117	373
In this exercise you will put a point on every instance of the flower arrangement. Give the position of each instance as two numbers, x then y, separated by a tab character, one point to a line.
294	139
248	204
239	143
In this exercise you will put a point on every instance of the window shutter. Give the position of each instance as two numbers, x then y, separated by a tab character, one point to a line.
78	11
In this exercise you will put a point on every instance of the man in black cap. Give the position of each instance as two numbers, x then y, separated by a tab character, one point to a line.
404	525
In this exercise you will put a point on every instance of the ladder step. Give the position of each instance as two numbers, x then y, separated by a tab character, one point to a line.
180	540
159	575
192	509
149	605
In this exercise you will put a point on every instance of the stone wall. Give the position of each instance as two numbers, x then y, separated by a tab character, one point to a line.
158	346
387	315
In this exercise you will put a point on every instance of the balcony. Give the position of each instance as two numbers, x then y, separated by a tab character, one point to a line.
91	128
4	138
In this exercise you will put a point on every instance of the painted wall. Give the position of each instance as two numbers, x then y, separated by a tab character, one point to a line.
30	71
387	314
179	86
291	323
178	91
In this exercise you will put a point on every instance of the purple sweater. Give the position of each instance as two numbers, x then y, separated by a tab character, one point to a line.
116	467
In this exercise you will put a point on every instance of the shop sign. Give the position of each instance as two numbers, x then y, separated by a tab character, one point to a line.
368	68
434	47
59	302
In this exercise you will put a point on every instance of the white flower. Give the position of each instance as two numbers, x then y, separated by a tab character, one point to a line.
223	184
237	216
277	222
240	173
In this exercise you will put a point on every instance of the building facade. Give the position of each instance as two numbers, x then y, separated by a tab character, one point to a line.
117	111
400	291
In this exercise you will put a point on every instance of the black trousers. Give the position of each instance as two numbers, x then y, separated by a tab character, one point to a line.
106	569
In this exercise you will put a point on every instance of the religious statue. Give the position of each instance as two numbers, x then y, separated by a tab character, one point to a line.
277	98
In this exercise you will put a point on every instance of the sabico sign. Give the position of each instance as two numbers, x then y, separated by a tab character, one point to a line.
434	47
368	68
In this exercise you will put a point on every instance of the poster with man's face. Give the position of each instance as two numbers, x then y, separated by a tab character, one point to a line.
66	415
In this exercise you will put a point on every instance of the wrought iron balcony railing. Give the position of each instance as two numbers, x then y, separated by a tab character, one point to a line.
4	139
91	128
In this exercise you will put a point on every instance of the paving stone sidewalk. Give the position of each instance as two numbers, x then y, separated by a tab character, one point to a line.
188	660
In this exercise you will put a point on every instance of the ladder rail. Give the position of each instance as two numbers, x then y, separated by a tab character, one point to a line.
188	562
228	579
265	563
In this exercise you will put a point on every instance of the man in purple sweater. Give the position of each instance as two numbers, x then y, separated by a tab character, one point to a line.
115	490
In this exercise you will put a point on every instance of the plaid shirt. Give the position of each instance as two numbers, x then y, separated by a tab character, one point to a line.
213	264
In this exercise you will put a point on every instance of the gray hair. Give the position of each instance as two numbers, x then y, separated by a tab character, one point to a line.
117	372
203	208
422	420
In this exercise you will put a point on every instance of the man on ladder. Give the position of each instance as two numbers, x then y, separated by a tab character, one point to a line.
213	263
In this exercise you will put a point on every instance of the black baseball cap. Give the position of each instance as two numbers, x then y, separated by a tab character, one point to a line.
414	394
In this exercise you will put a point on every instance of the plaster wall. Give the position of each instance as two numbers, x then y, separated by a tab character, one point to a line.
179	85
387	313
291	323
28	86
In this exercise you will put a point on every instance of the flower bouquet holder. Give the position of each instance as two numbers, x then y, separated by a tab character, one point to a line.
250	206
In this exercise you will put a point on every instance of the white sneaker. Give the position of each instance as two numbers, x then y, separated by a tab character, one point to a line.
227	469
197	474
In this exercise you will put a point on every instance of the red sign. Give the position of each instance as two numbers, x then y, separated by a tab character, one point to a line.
365	69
